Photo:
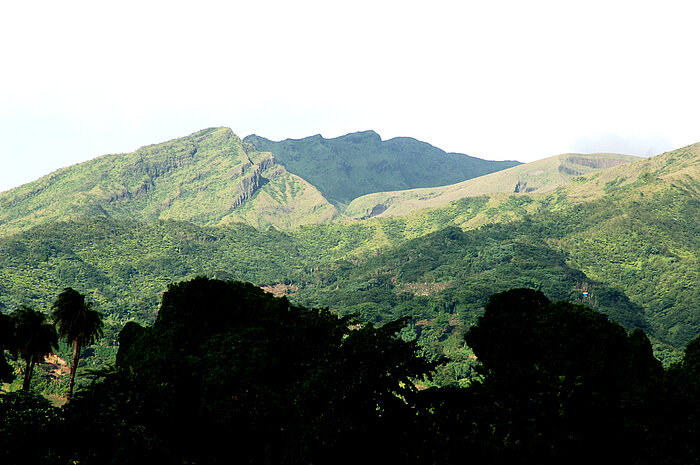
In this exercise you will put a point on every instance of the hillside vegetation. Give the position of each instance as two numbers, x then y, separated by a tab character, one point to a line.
261	380
209	178
347	167
536	177
623	240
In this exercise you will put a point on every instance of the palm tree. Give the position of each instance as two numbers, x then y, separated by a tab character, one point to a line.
6	342
34	339
77	323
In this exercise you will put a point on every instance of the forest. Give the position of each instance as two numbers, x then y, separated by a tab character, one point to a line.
228	373
640	271
142	322
622	239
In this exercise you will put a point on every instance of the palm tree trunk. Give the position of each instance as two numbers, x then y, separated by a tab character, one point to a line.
28	373
73	368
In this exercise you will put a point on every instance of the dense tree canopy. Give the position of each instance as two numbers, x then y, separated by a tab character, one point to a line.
6	375
259	379
565	384
230	374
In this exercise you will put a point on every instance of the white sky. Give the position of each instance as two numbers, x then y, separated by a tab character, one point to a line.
498	80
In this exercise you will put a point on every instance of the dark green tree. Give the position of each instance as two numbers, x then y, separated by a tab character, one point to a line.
34	338
6	336
259	380
77	323
681	431
30	430
564	383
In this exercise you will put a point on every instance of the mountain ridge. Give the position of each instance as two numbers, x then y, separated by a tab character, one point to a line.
540	176
213	177
623	240
206	177
369	164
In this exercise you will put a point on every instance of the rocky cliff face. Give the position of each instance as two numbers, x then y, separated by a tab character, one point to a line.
251	179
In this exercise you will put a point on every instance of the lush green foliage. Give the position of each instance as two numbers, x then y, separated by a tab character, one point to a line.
258	379
33	339
229	374
31	430
624	241
210	177
76	320
278	382
6	342
631	253
560	384
443	280
77	323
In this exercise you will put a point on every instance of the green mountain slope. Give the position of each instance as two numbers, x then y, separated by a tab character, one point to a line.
210	177
637	226
628	235
356	164
539	176
624	240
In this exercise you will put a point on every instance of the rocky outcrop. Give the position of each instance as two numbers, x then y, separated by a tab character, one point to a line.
267	161
567	170
522	187
251	180
123	194
597	162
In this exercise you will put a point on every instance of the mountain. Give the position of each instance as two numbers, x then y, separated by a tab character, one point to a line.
539	176
353	165
635	227
210	177
623	240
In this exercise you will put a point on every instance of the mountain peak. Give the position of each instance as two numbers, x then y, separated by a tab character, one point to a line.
361	136
359	163
209	177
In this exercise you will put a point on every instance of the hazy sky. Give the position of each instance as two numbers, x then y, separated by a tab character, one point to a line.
497	80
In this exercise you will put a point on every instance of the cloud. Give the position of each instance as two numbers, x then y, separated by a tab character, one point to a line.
646	146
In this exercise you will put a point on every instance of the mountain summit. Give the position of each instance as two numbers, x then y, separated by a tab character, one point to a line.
210	178
360	163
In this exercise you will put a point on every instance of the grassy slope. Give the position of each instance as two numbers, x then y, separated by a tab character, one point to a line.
360	163
285	201
210	178
539	176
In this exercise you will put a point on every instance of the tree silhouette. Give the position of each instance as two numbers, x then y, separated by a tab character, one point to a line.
681	428
259	380
34	339
565	384
77	323
6	336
